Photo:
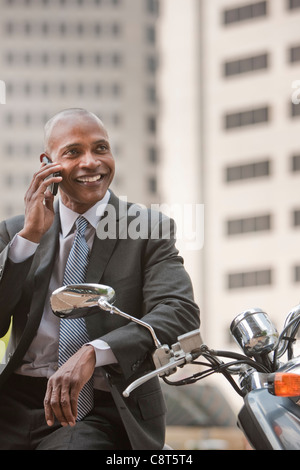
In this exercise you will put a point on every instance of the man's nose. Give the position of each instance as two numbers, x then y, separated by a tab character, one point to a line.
90	160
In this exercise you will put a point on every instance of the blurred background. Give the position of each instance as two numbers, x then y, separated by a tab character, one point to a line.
200	99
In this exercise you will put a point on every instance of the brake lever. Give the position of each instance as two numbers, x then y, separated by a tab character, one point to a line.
166	360
170	368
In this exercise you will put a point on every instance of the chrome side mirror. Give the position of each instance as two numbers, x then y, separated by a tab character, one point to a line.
79	300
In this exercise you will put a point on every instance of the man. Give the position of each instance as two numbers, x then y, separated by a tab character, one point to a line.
39	402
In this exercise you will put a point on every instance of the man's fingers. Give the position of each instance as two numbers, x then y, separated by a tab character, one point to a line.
49	415
66	408
44	177
61	398
44	172
48	199
53	407
57	404
39	213
74	402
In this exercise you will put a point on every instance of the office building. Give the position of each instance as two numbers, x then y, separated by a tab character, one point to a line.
95	54
230	132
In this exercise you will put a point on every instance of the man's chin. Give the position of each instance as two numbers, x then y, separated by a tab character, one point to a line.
83	201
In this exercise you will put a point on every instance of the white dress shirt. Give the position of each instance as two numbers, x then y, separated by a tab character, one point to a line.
41	357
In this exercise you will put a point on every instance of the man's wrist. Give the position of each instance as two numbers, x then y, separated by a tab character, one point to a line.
89	351
21	249
32	237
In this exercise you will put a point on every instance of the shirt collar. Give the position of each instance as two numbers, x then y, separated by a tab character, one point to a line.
93	215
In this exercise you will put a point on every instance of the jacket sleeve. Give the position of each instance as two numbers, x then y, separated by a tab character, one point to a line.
168	305
12	276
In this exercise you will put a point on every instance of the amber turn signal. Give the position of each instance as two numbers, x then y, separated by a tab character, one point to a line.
284	384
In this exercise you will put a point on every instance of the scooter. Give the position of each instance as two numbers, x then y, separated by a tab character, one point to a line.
270	415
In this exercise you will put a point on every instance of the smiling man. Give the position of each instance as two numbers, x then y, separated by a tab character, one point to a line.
41	391
81	146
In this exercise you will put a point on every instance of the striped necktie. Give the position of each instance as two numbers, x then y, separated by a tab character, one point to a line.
73	332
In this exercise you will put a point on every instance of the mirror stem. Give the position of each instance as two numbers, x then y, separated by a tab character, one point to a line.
110	308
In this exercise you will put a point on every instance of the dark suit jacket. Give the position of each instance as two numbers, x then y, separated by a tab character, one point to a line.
150	282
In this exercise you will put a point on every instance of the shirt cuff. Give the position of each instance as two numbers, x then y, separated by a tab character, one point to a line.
104	354
21	249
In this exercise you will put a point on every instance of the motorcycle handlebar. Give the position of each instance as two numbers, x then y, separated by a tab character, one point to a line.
161	371
176	356
189	347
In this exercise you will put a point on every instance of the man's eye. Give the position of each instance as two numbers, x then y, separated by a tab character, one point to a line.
102	148
72	152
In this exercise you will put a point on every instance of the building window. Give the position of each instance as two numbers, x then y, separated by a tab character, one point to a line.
151	124
116	29
151	64
27	28
153	155
249	279
245	65
8	180
152	185
97	89
248	171
296	218
9	28
9	150
44	28
297	273
294	54
293	4
9	58
9	119
245	12
116	59
247	118
294	110
151	94
152	6
248	225
151	34
116	89
295	163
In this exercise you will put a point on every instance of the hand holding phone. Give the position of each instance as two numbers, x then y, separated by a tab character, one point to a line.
54	186
39	209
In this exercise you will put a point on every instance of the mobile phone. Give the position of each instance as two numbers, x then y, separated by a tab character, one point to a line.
53	186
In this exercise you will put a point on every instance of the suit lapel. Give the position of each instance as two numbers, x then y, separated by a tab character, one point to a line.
101	253
46	252
105	242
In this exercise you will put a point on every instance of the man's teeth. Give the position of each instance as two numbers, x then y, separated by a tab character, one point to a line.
89	179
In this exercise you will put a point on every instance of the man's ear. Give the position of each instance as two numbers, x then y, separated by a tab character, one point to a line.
44	158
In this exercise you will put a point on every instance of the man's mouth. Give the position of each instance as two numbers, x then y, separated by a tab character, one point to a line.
89	179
